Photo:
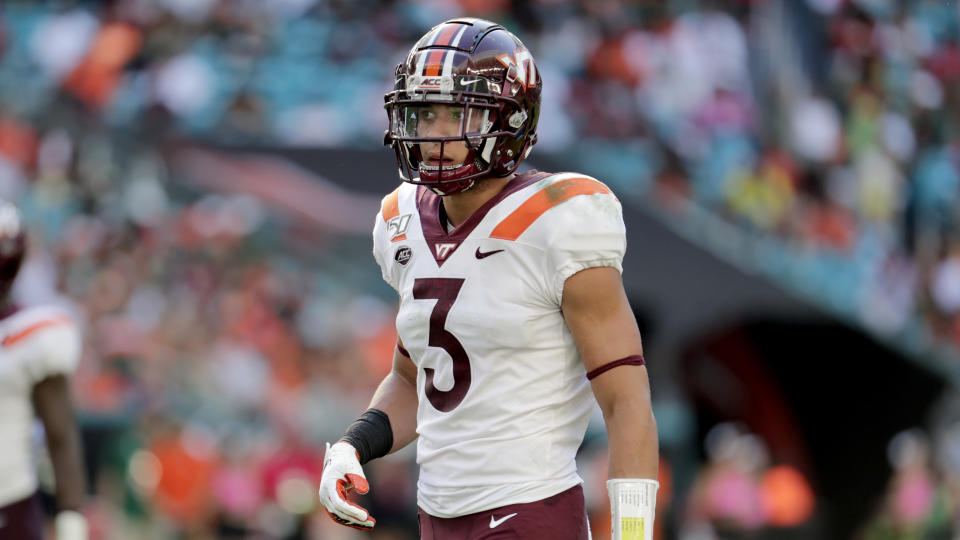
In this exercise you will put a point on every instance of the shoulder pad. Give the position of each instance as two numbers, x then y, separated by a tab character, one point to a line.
549	193
392	224
390	205
32	321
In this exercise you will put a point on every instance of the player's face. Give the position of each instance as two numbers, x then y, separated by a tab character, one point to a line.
444	121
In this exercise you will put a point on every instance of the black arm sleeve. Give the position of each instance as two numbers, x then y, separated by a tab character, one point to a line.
371	435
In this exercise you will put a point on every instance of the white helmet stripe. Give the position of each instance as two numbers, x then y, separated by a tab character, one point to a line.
421	63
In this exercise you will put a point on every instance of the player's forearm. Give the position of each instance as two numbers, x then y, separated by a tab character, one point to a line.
397	397
51	402
632	437
68	468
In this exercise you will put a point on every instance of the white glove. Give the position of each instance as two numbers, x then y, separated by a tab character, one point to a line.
633	503
342	473
70	525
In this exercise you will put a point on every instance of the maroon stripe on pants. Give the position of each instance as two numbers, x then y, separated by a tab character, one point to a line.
22	520
560	517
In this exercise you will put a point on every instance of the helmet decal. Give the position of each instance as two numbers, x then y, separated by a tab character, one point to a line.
520	67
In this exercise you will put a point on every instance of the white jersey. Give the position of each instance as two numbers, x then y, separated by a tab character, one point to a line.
504	400
35	343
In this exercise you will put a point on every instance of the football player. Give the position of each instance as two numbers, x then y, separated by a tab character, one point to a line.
39	349
512	317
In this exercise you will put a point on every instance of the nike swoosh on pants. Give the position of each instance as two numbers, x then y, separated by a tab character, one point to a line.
494	523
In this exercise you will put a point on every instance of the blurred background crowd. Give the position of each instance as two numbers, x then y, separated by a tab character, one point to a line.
234	320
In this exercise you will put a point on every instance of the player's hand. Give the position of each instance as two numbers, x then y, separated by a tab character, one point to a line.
341	474
70	525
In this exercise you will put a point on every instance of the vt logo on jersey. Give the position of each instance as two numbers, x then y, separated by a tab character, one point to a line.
444	249
397	227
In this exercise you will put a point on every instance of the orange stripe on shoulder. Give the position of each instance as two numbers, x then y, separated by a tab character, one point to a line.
520	219
26	332
390	206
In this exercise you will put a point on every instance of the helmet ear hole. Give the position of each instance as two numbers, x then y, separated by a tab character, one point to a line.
517	119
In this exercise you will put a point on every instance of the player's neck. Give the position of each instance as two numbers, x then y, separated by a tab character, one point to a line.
459	207
7	308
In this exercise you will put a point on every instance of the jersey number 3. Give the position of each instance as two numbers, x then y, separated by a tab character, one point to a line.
444	291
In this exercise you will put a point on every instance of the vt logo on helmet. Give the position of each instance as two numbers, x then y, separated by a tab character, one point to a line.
465	106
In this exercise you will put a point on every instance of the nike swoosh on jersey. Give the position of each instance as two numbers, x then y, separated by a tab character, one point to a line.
483	254
494	523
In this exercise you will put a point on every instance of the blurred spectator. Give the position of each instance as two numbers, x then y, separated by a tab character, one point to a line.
740	494
916	503
726	499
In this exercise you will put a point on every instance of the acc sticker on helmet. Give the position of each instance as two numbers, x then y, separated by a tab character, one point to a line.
402	255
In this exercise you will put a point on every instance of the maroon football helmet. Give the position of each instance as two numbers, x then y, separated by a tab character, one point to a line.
13	247
483	77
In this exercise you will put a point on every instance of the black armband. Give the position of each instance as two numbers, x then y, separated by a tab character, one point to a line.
371	435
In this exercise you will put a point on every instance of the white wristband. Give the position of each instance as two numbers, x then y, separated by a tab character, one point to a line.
633	503
70	525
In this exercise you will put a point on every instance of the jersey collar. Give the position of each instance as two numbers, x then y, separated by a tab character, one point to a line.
443	244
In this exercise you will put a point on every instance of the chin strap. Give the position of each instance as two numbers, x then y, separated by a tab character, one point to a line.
452	188
633	504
